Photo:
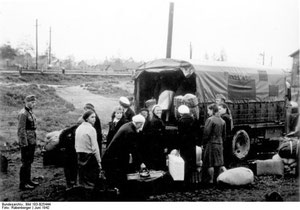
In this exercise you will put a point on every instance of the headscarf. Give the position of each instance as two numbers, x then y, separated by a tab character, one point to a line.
183	109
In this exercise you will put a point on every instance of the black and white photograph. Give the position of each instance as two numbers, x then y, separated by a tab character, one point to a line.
149	101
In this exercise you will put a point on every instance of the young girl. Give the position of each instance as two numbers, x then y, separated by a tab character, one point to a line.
214	134
117	120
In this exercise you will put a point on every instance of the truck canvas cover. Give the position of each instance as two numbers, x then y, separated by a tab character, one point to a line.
235	82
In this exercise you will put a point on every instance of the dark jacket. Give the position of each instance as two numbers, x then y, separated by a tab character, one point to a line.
226	118
123	143
155	144
26	127
214	130
98	128
113	128
129	114
187	142
67	139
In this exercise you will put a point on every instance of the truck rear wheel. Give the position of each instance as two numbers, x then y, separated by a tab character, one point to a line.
240	144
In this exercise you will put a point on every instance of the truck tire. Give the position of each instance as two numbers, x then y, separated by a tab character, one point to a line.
240	144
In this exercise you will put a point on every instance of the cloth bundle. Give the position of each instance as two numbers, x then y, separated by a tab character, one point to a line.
52	140
189	100
289	164
236	176
269	167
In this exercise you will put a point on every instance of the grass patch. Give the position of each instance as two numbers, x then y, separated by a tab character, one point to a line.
58	79
52	112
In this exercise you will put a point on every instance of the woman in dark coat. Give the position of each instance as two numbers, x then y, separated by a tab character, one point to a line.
224	113
117	120
156	143
67	144
116	158
214	133
187	141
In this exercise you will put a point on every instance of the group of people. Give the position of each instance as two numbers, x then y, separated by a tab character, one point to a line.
134	142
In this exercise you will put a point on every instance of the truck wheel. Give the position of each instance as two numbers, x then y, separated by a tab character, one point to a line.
240	144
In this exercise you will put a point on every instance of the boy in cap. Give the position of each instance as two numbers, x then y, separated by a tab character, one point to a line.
128	112
27	141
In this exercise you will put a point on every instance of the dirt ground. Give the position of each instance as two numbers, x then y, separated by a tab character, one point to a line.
52	182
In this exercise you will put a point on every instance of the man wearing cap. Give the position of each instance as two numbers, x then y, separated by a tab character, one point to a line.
27	142
128	112
122	148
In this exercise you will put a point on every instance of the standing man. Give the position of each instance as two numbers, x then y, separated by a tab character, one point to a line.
27	142
128	112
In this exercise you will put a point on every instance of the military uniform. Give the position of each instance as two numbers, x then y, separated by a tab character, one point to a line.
27	142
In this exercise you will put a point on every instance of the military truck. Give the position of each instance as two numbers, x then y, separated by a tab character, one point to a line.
256	96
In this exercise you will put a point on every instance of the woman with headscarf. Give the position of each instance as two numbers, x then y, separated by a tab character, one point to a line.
123	147
88	154
187	141
117	120
155	135
213	136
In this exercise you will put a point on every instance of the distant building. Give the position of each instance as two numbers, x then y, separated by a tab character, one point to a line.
295	81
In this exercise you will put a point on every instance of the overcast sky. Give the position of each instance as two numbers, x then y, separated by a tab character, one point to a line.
98	29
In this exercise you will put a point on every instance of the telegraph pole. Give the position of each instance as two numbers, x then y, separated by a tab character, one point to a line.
50	47
191	50
263	58
170	30
36	44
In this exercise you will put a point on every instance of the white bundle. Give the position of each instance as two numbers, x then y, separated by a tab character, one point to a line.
236	176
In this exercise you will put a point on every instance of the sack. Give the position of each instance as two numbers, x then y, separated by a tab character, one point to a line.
236	176
269	167
277	157
165	99
52	140
176	167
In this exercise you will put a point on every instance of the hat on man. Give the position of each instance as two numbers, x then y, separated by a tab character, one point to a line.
183	109
138	118
124	102
30	98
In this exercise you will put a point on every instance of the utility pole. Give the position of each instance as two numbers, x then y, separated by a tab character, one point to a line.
263	57
50	47
191	50
170	30
36	44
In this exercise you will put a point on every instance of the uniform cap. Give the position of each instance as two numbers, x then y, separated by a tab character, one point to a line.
30	98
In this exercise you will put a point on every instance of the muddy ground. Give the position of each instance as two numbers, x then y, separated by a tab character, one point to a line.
53	187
